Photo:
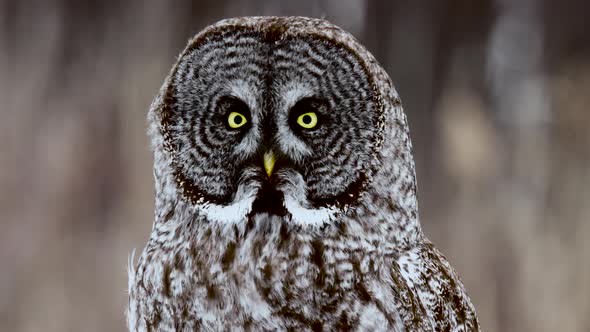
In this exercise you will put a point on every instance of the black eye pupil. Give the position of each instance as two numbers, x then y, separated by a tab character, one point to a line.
238	119
306	119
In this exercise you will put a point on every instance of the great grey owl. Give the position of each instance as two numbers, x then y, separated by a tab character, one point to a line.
286	192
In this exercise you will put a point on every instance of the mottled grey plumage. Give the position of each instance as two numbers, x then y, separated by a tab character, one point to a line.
331	239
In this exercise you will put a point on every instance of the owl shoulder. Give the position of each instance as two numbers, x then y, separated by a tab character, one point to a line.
438	296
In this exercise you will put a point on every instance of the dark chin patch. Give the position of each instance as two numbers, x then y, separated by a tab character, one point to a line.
269	200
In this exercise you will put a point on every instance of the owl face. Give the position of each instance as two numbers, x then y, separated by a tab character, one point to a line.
260	121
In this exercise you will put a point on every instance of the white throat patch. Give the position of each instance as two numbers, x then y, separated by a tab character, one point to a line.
295	202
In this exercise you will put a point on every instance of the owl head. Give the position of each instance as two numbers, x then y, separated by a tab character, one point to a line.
285	116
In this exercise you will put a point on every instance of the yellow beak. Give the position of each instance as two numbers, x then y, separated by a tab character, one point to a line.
269	162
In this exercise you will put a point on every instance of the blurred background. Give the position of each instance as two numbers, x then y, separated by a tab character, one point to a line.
497	95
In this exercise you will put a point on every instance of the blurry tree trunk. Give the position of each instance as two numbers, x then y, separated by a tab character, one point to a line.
520	102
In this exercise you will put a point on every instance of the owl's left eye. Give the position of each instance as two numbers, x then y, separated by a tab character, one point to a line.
306	114
236	120
307	120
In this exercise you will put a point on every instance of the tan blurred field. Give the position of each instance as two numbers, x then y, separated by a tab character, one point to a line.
498	98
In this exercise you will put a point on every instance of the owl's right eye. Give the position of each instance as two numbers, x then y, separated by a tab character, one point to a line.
236	120
233	112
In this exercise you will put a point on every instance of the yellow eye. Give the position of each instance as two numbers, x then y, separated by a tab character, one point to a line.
236	120
307	120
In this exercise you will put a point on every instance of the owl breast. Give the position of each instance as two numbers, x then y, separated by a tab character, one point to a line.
268	277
